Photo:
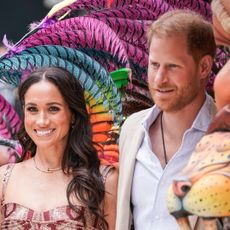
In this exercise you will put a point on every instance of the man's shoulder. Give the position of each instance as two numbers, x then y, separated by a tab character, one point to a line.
136	118
206	113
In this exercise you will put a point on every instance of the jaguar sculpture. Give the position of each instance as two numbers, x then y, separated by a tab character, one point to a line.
203	188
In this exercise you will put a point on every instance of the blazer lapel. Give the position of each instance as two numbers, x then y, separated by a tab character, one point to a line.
127	179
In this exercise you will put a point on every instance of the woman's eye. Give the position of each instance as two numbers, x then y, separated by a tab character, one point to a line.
54	109
32	109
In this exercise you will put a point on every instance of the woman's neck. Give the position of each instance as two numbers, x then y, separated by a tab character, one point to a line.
49	158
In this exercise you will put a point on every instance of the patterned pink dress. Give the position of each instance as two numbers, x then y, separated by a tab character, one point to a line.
16	216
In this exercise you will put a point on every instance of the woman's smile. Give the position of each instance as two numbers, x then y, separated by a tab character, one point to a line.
45	133
47	118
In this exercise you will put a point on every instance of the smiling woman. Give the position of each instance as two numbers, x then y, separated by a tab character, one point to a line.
64	175
47	118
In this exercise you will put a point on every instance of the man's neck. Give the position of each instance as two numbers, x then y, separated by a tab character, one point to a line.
177	122
174	125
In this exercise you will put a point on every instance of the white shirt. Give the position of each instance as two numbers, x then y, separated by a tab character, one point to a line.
151	181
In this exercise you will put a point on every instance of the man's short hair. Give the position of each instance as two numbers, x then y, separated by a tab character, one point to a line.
197	31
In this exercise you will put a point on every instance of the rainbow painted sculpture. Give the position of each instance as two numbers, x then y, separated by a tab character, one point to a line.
92	39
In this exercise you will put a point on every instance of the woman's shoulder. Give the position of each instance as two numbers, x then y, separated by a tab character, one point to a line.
110	175
3	172
107	171
112	181
3	169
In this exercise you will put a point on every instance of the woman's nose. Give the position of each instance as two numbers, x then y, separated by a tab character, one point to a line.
42	119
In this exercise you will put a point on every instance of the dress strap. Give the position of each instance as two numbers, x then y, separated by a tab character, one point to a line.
5	181
105	169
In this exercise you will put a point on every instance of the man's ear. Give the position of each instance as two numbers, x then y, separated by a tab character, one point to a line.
205	66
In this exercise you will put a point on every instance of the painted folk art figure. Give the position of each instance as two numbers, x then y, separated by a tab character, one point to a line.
204	187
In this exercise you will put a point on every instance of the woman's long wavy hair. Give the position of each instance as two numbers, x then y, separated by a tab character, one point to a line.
80	157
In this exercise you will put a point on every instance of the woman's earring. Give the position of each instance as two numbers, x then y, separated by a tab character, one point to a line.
73	122
26	137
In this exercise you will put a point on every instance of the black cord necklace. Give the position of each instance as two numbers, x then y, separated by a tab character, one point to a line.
163	139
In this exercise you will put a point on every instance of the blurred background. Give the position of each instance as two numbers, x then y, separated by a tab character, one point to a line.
15	18
16	15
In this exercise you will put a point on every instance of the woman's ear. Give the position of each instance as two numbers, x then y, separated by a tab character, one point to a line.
205	66
73	120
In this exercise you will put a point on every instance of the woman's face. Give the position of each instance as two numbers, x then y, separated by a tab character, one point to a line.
47	116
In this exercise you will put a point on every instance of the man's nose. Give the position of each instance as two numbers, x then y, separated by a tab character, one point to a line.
161	76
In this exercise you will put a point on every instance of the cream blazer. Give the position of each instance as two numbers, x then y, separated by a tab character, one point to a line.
131	137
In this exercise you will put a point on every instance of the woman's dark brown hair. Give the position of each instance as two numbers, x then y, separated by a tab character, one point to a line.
80	157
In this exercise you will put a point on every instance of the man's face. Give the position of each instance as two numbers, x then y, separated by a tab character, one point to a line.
173	75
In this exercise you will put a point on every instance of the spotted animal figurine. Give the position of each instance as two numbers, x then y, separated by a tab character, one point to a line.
203	189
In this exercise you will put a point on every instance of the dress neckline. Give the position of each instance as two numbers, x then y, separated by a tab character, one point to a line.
36	211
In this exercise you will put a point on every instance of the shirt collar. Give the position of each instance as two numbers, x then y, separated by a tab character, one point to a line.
150	117
205	115
201	121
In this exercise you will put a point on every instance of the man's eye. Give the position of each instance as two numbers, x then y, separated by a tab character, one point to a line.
172	66
154	65
32	109
54	109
